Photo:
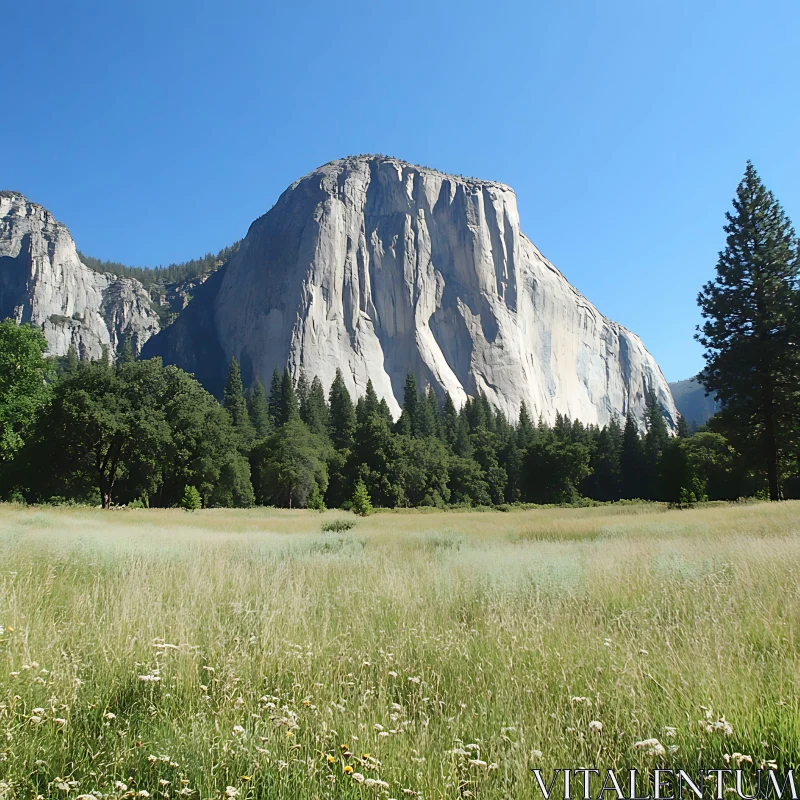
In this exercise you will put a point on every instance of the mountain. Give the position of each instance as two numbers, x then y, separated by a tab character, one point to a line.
692	403
378	267
42	281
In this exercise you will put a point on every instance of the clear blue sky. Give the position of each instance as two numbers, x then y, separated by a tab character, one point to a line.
157	131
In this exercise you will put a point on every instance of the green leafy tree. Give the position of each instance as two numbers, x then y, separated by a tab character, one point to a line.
750	333
467	483
104	426
554	468
24	376
191	499
361	503
289	465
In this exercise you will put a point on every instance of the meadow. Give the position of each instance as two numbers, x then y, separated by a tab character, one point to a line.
224	653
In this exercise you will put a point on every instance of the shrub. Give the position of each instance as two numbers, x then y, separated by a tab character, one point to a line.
338	525
191	499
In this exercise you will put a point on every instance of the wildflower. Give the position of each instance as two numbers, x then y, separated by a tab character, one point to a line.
595	726
476	762
670	732
34	721
536	754
85	797
120	786
186	792
416	680
358	777
331	759
109	715
230	791
392	673
238	730
378	727
769	764
348	770
59	722
143	793
651	747
374	783
149	679
163	783
580	701
245	778
62	786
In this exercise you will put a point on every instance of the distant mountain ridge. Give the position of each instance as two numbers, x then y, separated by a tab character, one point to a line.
692	402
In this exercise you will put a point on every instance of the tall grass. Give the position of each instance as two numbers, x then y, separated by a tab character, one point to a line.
445	654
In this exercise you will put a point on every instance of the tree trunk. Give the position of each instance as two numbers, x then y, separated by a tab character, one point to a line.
771	452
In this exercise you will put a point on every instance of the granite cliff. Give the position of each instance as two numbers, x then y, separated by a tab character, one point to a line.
379	267
42	281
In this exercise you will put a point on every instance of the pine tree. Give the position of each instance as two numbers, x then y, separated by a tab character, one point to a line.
275	395
259	412
287	406
525	429
361	502
302	390
70	364
408	423
236	405
750	333
342	414
656	441
316	411
427	414
448	423
631	460
191	499
371	402
125	353
683	428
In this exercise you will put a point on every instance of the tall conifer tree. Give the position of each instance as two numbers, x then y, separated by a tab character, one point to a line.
751	326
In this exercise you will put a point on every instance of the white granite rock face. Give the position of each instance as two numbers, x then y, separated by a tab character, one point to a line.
42	281
377	267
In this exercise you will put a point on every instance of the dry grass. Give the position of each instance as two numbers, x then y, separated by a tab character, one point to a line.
456	649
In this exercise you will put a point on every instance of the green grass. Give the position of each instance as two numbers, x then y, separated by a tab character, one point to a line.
423	640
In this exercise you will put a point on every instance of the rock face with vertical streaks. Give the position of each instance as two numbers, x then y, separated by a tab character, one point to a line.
43	282
379	267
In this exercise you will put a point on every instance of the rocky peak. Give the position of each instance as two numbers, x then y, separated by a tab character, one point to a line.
377	266
43	282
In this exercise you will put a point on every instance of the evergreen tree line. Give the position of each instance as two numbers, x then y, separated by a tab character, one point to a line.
139	432
151	277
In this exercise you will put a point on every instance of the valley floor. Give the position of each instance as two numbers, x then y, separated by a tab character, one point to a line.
160	653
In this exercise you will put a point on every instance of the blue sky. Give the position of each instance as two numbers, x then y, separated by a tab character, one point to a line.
157	131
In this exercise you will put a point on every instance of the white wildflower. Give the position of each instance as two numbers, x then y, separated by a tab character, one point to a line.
595	726
651	747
